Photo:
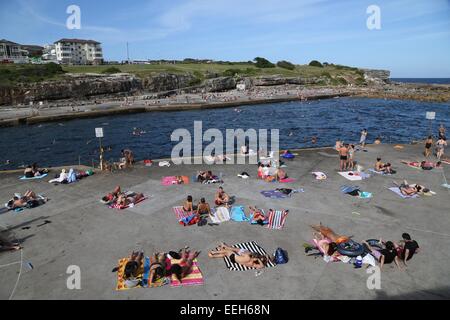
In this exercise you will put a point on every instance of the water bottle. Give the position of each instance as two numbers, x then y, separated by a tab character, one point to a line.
358	262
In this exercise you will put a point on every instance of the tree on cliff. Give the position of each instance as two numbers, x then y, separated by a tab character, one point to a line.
263	63
285	65
315	63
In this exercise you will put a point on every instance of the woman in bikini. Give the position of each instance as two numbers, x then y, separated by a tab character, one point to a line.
240	256
157	267
188	205
124	200
440	145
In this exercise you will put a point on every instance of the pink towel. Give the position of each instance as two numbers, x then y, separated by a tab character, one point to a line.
287	180
180	213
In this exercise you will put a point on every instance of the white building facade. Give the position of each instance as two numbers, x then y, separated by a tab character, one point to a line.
79	52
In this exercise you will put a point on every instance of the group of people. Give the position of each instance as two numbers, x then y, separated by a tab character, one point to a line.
221	199
271	173
440	145
162	265
122	199
346	155
384	252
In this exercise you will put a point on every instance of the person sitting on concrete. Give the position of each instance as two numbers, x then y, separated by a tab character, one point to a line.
280	174
222	198
203	208
385	168
240	256
407	248
387	255
188	205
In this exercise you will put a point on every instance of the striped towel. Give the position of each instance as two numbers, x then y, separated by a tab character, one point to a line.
121	207
277	219
249	246
180	213
195	278
144	273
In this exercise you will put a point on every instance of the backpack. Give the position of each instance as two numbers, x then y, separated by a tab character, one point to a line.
281	256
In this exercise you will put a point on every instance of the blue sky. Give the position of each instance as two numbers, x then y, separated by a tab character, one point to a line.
414	40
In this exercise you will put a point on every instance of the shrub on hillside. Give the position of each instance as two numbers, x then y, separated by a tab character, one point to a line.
111	70
263	63
316	63
286	65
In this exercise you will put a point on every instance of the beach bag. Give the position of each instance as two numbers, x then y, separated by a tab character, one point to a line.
281	256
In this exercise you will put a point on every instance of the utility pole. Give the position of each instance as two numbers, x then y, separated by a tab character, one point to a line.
128	54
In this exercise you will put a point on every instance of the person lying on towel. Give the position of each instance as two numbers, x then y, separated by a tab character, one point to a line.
34	171
240	256
181	268
133	270
411	189
112	197
124	200
203	176
258	216
323	232
29	199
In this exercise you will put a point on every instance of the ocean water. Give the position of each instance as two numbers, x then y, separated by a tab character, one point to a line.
423	80
71	142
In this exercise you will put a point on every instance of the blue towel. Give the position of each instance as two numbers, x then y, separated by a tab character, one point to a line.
34	178
238	214
273	194
349	189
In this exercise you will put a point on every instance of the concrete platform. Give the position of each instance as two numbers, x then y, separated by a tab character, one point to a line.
86	233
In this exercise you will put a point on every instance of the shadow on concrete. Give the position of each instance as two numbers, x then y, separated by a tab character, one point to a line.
440	293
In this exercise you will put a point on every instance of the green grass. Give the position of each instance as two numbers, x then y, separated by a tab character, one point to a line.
12	74
243	68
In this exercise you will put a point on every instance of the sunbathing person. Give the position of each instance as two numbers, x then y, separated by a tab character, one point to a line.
222	199
22	201
280	175
425	165
203	208
258	216
111	197
327	233
133	268
203	176
157	267
411	189
387	255
126	200
179	180
6	245
240	256
183	267
324	247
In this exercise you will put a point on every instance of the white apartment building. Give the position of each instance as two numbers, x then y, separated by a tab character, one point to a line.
77	51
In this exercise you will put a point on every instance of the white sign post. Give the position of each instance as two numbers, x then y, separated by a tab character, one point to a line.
431	115
99	134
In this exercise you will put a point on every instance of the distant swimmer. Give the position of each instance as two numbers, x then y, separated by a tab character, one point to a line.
291	134
54	141
314	140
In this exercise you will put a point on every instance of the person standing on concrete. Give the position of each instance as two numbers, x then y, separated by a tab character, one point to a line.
362	141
